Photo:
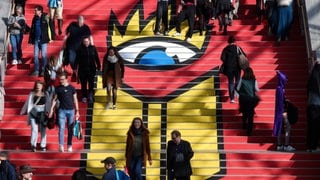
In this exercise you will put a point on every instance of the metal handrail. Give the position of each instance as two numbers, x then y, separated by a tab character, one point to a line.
303	18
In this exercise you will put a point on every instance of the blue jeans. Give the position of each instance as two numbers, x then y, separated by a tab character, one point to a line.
37	47
16	42
233	79
72	58
64	114
135	169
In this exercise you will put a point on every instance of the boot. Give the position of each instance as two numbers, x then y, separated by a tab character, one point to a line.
60	23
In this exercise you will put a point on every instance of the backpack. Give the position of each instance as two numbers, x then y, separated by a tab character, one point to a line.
293	112
122	175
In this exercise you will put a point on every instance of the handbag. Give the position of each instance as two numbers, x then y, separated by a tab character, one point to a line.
243	60
77	129
33	112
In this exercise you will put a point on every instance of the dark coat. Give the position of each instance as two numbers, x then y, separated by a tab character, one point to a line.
113	77
7	171
181	169
87	60
145	147
230	59
47	30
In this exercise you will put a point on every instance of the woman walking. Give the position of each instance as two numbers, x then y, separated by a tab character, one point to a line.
248	100
113	72
137	148
37	104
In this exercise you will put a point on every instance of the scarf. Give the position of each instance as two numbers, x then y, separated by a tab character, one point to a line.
112	59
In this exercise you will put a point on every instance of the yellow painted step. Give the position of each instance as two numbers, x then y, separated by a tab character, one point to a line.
192	112
191	99
186	119
196	126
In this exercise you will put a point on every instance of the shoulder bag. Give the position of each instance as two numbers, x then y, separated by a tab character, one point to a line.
243	60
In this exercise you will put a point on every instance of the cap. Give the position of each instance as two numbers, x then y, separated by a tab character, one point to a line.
109	160
26	169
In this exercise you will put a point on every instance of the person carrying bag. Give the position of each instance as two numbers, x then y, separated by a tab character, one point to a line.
36	107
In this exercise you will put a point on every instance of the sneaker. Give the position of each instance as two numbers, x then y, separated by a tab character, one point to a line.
166	33
289	148
279	148
35	73
232	101
114	107
188	39
158	34
177	34
19	61
84	100
43	149
42	74
108	106
61	148
69	148
33	149
14	62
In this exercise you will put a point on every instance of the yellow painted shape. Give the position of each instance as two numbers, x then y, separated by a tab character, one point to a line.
193	114
133	32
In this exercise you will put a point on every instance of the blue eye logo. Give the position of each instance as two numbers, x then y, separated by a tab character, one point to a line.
157	53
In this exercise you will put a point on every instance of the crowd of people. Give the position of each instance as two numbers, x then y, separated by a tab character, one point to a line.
55	95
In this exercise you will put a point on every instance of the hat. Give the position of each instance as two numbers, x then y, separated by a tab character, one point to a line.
26	169
109	160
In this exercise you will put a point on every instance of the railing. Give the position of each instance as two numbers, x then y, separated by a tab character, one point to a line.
302	12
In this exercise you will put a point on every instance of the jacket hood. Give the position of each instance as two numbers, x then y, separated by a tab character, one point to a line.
282	79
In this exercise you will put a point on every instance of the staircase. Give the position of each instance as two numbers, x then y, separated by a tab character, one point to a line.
191	97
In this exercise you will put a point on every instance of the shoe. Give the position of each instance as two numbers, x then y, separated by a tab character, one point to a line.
313	150
42	74
158	34
14	62
166	33
84	100
43	149
33	149
213	18
279	148
19	61
61	148
108	106
188	39
177	34
69	148
35	73
289	148
114	107
232	101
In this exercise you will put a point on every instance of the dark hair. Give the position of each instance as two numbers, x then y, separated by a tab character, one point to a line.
79	175
248	74
39	8
231	39
63	73
116	53
35	85
176	133
131	129
4	154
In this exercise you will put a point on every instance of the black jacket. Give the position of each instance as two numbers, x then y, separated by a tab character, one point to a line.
181	169
87	59
230	58
47	30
